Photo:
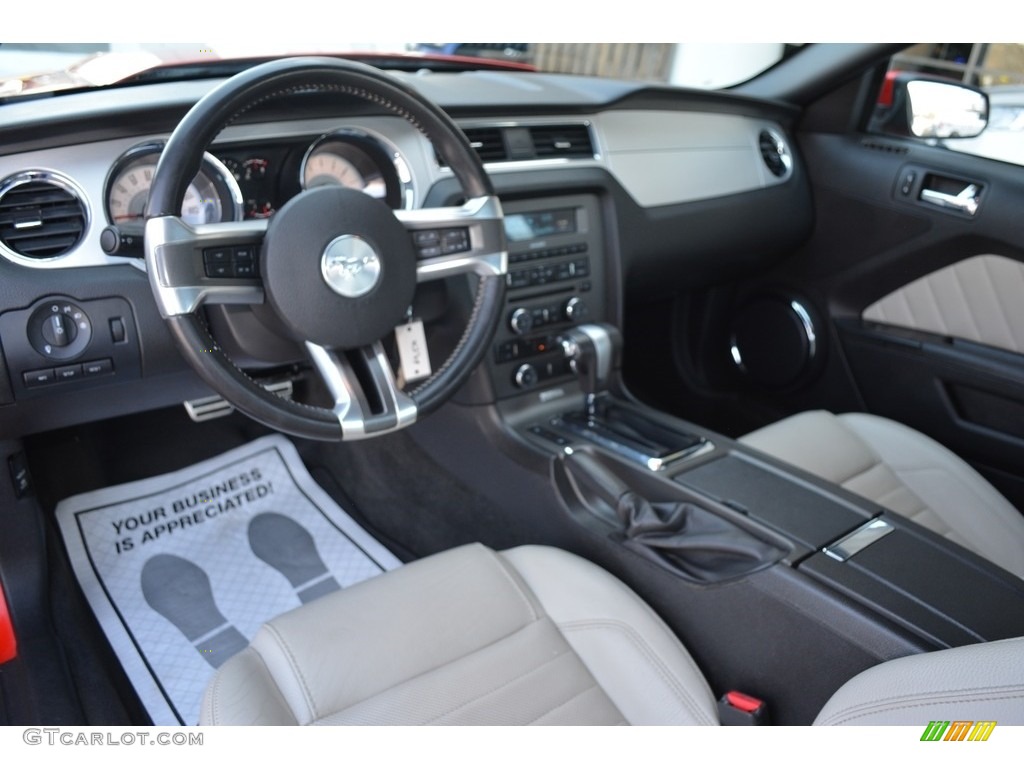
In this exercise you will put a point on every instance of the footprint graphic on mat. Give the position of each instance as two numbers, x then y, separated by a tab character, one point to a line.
286	546
180	591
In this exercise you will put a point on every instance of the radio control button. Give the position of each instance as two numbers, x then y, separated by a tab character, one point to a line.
518	279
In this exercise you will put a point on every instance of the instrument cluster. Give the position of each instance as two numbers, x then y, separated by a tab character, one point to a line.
252	181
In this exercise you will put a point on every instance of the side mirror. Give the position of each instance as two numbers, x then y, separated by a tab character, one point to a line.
913	105
946	110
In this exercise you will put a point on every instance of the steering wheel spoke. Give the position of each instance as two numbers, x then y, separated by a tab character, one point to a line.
206	264
457	240
367	399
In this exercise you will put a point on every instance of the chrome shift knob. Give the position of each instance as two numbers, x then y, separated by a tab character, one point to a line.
594	351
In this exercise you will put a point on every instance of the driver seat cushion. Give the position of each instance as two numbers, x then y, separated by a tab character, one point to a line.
533	635
902	470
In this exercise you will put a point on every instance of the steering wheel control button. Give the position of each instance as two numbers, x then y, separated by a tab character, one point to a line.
350	266
39	378
230	261
455	240
431	243
217	256
59	330
427	242
244	261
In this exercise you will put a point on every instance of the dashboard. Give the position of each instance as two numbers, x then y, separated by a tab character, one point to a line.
609	189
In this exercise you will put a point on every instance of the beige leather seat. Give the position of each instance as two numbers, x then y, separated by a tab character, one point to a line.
902	470
535	635
967	683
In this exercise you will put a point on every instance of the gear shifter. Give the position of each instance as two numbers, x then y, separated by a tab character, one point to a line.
593	351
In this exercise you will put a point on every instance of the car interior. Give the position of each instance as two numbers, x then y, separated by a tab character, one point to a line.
670	405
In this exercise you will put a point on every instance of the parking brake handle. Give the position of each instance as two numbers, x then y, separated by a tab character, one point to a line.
686	538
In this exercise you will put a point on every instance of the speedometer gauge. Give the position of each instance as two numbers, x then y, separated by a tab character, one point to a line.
212	196
324	167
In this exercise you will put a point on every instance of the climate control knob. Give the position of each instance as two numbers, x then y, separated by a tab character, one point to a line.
521	320
526	376
576	309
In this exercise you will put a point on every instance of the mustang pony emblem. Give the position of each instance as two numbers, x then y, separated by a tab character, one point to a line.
350	266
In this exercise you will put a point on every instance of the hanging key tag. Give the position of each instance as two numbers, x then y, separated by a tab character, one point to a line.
412	351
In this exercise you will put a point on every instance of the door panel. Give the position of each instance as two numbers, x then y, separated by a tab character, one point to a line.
980	299
926	302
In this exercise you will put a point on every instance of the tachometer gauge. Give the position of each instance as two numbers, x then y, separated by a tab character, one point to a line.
213	195
129	191
355	159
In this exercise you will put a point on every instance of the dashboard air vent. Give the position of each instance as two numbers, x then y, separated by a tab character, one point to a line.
775	153
42	215
562	141
497	144
488	143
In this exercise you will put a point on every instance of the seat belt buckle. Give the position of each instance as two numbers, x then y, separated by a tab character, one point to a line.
735	708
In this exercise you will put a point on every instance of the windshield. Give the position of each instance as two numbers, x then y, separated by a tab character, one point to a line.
32	68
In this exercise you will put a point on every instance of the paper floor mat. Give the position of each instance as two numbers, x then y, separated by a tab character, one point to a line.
182	569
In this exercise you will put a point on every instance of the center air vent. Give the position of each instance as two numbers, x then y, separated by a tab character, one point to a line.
775	153
488	143
562	141
497	144
42	215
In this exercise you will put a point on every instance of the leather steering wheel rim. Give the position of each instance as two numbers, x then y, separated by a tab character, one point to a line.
173	248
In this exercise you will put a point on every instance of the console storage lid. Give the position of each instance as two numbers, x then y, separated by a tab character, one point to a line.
806	512
928	585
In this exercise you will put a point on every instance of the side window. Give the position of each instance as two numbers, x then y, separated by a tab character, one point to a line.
995	68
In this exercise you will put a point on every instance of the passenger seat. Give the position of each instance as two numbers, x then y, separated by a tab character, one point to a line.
904	471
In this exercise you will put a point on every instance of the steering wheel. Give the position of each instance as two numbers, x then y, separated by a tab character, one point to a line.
338	267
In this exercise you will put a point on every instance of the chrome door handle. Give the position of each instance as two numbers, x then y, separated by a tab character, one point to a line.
965	202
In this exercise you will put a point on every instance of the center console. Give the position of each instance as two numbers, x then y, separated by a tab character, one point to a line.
936	590
752	545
